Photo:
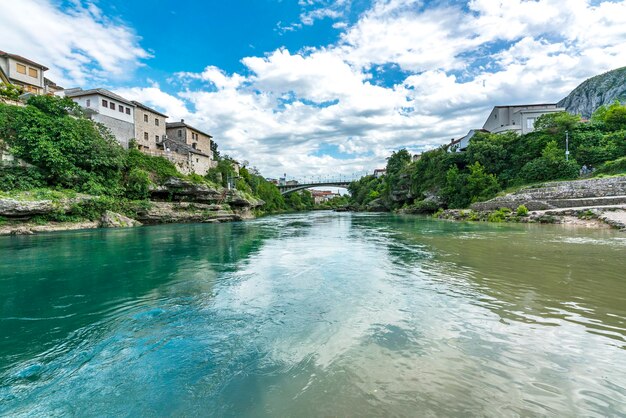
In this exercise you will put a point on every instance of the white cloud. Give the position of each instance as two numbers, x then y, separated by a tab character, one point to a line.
79	44
291	111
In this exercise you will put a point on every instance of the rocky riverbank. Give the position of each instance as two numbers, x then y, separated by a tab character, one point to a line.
174	201
590	202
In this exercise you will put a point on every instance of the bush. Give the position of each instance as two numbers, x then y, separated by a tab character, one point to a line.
521	210
423	206
160	168
138	184
15	177
71	152
10	91
613	167
499	215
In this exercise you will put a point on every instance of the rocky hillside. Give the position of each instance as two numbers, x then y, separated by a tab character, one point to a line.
597	91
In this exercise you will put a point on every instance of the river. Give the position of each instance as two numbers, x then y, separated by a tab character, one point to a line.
315	314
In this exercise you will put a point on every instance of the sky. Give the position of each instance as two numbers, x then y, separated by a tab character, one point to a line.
317	87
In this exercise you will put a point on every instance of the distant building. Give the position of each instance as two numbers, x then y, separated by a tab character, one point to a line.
320	196
291	183
416	157
461	144
22	72
520	118
113	111
149	126
379	172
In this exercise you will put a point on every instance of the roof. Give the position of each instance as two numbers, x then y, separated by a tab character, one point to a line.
101	92
183	146
526	105
143	106
182	124
49	83
20	58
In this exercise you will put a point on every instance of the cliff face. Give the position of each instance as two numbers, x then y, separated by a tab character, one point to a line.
597	91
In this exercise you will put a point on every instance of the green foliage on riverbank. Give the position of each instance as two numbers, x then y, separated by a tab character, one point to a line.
61	149
494	162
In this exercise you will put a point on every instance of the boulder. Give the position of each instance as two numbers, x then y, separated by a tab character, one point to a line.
115	220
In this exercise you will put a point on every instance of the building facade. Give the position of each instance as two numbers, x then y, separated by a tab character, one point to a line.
199	145
520	119
113	111
22	72
150	126
195	138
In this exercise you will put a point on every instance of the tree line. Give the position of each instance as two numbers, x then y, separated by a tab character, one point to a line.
493	163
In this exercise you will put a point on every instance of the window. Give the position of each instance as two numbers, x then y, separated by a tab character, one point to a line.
156	121
21	68
157	138
112	105
180	133
105	103
128	110
120	108
145	136
145	117
33	72
88	102
194	145
530	123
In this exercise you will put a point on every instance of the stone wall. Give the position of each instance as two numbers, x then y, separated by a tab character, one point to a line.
123	131
142	127
561	194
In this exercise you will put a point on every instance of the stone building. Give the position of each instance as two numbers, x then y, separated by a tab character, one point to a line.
195	138
113	111
22	72
197	143
186	159
149	126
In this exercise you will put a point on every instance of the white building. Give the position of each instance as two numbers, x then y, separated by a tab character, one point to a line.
520	118
113	111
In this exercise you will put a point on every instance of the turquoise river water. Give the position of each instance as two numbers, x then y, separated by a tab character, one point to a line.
316	314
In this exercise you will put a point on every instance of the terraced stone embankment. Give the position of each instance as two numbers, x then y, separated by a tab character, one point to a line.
589	193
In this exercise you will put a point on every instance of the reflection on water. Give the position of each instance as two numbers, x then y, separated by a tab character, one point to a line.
318	314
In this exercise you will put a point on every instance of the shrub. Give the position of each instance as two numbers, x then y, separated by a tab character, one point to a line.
10	91
138	184
160	168
423	206
521	210
14	177
499	215
613	167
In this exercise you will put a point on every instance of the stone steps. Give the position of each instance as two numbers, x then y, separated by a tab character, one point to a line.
589	201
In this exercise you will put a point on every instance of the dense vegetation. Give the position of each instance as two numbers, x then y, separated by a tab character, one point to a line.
495	162
66	151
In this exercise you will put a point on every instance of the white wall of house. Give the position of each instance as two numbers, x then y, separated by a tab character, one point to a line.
95	103
107	111
518	119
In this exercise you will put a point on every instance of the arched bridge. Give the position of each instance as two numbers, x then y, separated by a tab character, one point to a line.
290	188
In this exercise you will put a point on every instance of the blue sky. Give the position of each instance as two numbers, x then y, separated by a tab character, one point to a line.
310	87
